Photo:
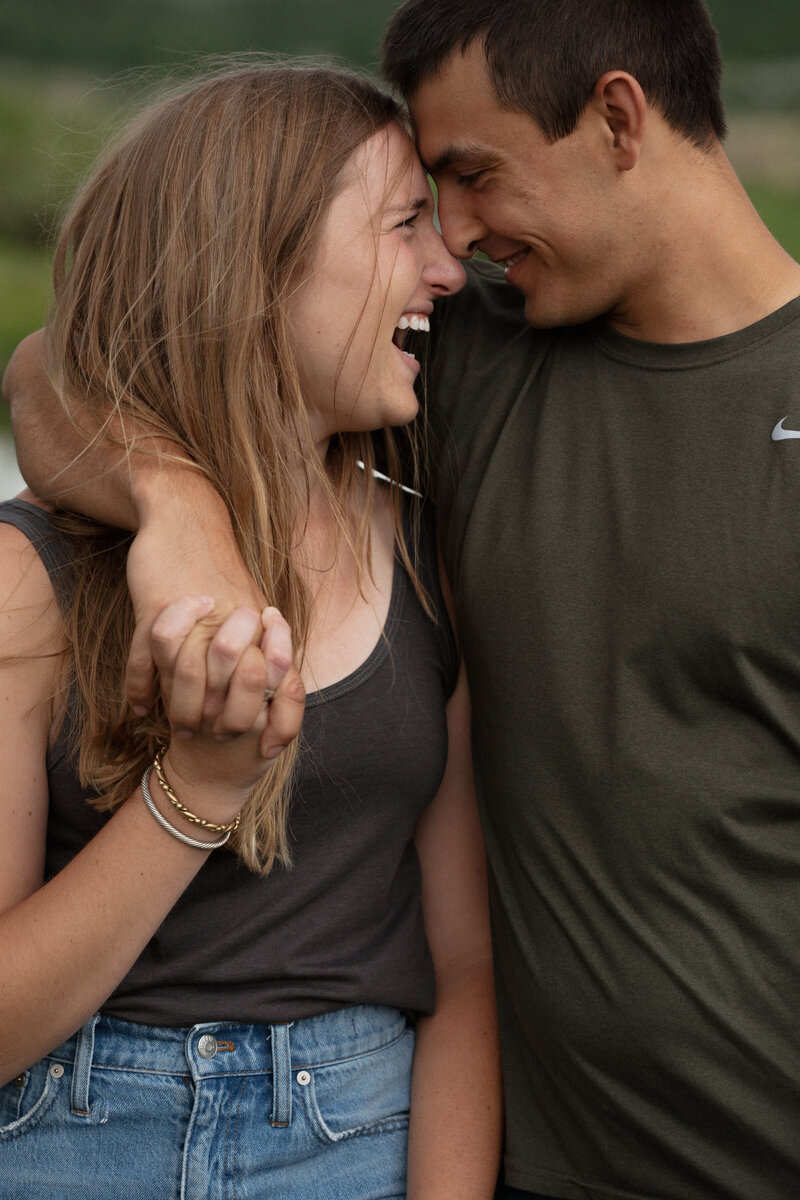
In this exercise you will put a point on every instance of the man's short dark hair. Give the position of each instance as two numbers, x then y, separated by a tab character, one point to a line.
545	56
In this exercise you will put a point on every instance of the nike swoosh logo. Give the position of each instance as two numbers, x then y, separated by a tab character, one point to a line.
779	433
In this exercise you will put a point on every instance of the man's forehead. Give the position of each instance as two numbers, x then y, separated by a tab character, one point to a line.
448	106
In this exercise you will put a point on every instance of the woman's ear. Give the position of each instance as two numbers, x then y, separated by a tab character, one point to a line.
622	103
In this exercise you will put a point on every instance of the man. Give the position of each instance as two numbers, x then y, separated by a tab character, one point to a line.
616	521
616	490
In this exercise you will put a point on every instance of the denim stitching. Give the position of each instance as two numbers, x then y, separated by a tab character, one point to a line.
327	1137
39	1111
235	1137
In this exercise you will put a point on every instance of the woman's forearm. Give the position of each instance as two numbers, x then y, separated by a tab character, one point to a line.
67	946
456	1101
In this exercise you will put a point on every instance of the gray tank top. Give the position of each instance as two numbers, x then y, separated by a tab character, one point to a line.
344	925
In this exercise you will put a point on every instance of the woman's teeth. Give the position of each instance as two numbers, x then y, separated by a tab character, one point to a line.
414	321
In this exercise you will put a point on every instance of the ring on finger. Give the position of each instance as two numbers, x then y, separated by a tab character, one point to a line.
268	694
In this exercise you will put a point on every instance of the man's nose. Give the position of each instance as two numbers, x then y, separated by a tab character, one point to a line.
462	228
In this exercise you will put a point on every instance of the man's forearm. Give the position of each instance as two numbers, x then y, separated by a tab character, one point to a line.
81	469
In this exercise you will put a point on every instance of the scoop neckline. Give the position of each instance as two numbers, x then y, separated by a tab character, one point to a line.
377	655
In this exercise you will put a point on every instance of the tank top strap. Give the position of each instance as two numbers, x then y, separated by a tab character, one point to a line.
49	543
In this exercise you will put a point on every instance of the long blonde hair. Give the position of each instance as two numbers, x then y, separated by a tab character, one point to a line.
171	277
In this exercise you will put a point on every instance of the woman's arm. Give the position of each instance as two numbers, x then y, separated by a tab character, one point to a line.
184	543
456	1102
68	943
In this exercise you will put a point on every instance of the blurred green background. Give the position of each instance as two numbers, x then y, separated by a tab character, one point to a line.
71	69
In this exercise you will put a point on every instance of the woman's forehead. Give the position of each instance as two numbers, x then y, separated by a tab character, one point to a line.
386	166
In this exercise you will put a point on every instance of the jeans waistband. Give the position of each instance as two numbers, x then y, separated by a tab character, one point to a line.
220	1047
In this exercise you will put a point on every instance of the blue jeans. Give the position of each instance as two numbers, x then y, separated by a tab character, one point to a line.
315	1109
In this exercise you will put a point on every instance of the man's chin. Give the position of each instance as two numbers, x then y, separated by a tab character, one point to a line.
550	316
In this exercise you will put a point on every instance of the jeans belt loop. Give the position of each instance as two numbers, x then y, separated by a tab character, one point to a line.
281	1075
82	1068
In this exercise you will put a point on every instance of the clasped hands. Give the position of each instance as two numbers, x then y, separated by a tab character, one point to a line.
205	638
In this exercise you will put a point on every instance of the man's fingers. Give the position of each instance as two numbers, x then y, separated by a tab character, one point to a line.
140	673
180	660
155	644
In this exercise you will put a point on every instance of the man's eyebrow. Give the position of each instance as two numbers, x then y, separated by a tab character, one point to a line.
460	152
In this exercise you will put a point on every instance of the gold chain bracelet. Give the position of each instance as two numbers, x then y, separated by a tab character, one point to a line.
211	826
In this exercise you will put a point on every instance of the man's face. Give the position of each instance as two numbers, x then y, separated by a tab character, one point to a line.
553	212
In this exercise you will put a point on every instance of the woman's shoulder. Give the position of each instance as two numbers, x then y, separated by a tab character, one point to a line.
30	617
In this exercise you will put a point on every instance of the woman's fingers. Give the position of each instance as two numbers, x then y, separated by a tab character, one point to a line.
239	685
227	654
187	661
287	695
244	707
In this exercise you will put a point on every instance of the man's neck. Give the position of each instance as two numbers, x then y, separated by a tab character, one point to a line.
715	267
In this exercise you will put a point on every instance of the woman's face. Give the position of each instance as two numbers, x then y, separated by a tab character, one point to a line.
379	266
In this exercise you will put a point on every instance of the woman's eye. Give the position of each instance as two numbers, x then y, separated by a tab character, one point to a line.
409	222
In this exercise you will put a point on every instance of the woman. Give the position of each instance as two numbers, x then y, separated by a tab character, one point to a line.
237	277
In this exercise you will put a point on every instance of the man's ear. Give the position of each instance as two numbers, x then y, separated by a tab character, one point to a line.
621	102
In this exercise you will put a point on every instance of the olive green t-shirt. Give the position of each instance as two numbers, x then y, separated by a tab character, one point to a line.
621	521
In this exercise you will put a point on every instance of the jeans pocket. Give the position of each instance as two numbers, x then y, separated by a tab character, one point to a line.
368	1094
27	1099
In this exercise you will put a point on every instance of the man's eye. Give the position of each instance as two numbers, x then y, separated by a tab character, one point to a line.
471	178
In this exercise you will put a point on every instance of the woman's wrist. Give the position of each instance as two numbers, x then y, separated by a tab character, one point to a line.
201	839
196	783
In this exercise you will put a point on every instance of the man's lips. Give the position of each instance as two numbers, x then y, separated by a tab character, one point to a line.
512	261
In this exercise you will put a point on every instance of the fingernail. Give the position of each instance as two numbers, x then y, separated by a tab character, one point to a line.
274	752
184	734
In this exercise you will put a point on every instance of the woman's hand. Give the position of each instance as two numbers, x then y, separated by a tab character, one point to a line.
185	544
219	708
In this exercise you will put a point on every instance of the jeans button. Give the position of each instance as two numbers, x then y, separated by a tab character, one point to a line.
56	1071
207	1046
303	1078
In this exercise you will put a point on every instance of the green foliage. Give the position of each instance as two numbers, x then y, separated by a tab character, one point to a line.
52	125
67	82
756	31
26	292
779	209
130	33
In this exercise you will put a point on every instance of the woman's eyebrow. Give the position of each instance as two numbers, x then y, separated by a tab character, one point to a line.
418	205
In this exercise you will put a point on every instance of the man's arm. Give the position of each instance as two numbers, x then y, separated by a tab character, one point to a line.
184	543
